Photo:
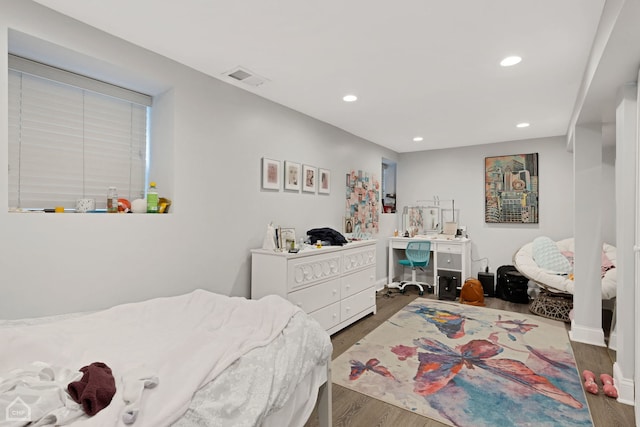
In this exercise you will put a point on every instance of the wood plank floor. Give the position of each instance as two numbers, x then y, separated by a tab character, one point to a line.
352	409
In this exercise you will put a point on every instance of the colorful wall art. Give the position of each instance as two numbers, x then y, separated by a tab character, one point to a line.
363	204
511	189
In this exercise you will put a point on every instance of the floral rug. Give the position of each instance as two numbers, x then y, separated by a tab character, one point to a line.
469	366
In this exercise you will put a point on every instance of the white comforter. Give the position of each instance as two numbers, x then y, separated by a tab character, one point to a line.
188	340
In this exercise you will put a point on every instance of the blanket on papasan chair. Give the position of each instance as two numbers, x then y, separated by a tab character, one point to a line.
550	264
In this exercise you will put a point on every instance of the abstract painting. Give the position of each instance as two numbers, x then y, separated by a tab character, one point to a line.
511	189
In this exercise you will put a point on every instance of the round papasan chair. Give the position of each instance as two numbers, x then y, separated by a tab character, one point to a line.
549	264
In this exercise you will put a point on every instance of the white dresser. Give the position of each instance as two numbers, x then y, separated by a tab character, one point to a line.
334	284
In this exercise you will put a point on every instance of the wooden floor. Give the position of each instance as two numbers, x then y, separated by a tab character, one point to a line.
352	409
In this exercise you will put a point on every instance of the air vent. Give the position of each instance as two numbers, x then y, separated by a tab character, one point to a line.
245	76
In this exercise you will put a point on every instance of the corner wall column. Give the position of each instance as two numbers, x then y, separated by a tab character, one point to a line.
626	155
586	326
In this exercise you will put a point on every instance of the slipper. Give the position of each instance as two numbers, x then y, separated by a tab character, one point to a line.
590	382
607	386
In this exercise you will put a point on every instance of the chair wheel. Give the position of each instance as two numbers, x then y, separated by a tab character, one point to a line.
421	293
402	291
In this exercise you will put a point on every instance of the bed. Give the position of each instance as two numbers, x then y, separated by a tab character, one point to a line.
215	360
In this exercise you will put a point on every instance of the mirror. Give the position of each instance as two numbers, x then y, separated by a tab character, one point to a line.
388	186
421	220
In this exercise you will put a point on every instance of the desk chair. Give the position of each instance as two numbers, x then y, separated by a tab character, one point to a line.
417	254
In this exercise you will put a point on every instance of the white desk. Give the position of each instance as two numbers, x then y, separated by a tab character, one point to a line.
451	257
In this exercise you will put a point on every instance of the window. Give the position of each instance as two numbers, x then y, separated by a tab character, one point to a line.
72	137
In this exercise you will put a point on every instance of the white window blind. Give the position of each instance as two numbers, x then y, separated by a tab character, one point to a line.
67	141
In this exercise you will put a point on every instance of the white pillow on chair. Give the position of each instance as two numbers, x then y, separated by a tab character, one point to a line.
547	255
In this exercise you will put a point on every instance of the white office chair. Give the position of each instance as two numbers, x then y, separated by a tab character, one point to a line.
417	254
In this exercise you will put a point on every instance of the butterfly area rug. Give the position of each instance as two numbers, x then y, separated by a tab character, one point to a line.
469	366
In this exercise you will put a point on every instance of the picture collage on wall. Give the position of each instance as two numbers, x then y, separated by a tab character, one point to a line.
363	205
296	176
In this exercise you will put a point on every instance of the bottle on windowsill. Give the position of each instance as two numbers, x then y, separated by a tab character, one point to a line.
152	198
112	200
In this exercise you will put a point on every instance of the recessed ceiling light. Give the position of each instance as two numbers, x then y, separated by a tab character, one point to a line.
418	138
510	60
349	98
522	125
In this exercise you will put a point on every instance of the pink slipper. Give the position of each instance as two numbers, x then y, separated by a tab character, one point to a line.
590	382
607	386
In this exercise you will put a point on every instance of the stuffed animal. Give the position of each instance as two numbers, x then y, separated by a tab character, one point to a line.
607	386
590	382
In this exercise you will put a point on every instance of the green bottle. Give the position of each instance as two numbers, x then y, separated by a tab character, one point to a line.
152	198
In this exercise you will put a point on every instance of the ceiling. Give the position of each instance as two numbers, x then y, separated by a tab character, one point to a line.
419	67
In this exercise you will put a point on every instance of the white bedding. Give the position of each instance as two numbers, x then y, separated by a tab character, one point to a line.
212	333
254	388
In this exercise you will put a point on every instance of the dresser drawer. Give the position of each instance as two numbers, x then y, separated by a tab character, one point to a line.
317	296
313	269
450	261
328	317
450	248
356	303
358	258
358	281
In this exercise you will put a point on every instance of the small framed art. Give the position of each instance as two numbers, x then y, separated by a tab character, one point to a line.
324	183
270	174
309	175
348	225
287	238
291	175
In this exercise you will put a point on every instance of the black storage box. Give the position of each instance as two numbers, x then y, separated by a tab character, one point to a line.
447	287
487	283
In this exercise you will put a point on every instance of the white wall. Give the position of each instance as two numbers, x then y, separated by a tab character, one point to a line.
459	174
208	141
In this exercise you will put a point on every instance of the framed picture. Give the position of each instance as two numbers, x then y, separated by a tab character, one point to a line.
324	183
511	189
309	176
348	225
292	176
270	174
287	238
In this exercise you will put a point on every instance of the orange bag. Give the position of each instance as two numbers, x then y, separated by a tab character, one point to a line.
472	292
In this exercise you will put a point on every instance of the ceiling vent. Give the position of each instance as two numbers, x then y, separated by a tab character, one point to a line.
245	76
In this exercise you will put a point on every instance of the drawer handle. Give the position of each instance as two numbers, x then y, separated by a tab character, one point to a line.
335	291
335	315
348	286
348	309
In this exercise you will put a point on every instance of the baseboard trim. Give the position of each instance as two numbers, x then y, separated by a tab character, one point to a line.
625	386
613	340
583	334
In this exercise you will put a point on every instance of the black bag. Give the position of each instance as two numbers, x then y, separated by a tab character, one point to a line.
511	285
326	234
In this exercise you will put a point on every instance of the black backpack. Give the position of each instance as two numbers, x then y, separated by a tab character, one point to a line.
511	287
